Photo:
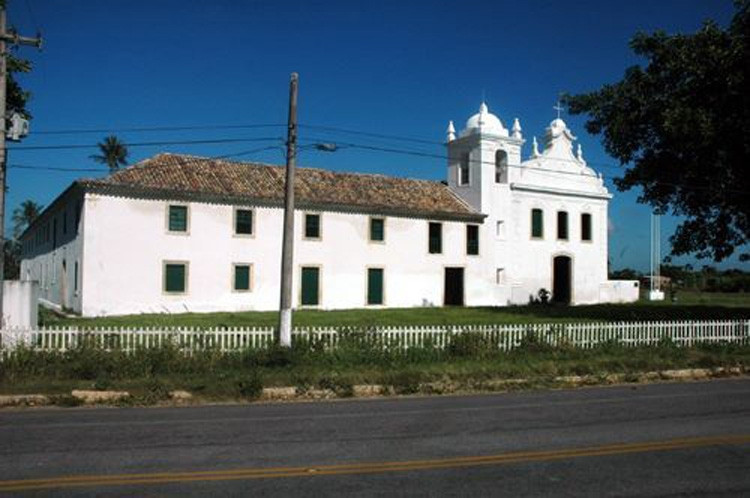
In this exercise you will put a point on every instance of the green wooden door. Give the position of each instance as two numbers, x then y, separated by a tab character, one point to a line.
374	286
310	282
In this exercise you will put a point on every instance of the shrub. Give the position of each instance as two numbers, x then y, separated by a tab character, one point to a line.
339	384
404	381
250	385
533	343
470	345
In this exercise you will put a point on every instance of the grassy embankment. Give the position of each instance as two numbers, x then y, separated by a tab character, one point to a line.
469	362
690	305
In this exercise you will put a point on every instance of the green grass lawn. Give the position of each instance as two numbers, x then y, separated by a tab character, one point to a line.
689	306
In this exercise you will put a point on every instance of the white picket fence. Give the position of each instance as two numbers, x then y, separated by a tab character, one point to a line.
505	337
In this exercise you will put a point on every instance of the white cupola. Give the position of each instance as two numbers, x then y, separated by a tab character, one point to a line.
484	122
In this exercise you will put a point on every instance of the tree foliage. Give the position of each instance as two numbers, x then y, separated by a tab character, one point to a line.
24	215
112	152
681	124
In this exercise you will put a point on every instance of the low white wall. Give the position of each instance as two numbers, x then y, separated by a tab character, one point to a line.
619	291
20	304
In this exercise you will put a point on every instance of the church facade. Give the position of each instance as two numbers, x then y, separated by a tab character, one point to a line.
178	233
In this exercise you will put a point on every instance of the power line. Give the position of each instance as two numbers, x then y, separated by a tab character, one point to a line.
101	170
149	129
52	168
374	135
518	166
146	144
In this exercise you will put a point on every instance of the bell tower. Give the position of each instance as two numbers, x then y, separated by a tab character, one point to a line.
483	159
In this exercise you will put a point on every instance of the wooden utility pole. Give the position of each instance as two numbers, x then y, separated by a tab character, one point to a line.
14	39
287	249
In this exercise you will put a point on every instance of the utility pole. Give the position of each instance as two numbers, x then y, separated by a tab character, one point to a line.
287	249
15	39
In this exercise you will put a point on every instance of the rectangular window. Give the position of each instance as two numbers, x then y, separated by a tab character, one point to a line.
436	238
175	277
242	275
178	218
75	277
500	230
310	286
586	227
463	170
312	226
500	276
374	286
537	224
243	222
377	229
562	225
472	240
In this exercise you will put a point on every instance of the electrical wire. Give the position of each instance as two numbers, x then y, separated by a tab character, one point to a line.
145	144
150	129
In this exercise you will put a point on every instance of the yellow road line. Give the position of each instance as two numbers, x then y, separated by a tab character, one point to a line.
367	467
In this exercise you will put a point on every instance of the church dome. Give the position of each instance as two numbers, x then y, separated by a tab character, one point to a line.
485	122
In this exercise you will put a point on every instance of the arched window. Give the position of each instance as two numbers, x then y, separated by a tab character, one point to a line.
501	166
463	170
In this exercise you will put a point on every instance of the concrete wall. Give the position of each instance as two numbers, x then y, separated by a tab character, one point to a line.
20	304
619	291
127	243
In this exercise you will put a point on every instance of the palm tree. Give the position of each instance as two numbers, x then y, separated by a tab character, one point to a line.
24	215
113	153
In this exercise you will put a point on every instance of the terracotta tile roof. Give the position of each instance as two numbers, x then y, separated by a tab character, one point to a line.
172	176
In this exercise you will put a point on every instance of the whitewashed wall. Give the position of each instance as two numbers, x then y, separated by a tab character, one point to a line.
531	266
127	243
53	265
20	304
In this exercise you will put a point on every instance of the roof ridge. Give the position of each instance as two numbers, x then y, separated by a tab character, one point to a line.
307	168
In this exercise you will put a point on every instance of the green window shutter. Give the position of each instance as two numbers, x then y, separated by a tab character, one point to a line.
436	238
310	281
377	229
472	240
537	223
586	227
243	222
242	277
374	286
178	218
562	225
174	278
312	226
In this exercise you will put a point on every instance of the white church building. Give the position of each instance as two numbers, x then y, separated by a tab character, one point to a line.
177	233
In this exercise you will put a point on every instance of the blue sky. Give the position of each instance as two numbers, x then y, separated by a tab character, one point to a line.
400	68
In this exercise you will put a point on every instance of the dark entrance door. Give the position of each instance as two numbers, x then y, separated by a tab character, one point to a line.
561	280
454	287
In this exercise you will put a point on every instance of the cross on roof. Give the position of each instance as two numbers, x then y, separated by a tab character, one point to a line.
558	108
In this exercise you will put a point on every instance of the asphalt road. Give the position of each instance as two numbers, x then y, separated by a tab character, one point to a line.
690	439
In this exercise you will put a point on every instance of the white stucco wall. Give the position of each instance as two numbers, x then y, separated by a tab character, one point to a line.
531	267
20	304
127	244
52	260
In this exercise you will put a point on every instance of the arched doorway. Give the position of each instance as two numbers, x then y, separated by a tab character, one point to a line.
562	279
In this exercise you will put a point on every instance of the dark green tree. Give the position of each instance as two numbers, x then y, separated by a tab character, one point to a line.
681	125
24	215
112	152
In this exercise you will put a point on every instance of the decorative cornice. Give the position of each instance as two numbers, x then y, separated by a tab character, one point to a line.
559	191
